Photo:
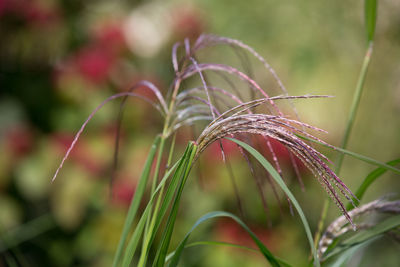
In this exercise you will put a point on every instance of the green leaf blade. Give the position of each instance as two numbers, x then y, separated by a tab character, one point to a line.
364	236
217	214
275	175
371	177
134	240
370	10
136	201
167	233
354	155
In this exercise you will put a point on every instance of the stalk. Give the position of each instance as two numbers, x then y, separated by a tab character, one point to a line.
135	202
355	104
149	233
166	238
150	223
349	127
155	179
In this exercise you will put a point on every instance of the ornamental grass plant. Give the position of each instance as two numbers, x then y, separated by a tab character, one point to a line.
239	112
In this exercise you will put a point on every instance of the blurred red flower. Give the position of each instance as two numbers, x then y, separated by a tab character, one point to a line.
19	140
96	60
94	63
122	191
110	36
213	152
229	231
188	23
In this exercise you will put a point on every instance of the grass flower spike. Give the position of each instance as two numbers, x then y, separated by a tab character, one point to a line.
186	106
244	108
283	130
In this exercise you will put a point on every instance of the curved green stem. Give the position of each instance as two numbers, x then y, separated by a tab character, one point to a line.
355	104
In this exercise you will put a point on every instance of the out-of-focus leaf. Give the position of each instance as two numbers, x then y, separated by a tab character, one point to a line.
26	232
346	255
365	235
372	176
211	243
283	186
355	155
216	214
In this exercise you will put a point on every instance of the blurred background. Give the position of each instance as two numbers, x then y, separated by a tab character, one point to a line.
60	59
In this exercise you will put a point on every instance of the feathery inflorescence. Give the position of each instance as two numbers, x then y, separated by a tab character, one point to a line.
231	114
280	129
340	226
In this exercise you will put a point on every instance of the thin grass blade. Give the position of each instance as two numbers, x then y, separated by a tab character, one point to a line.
363	236
167	233
154	223
342	259
355	155
218	214
16	236
372	176
168	197
134	240
136	200
211	243
283	186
